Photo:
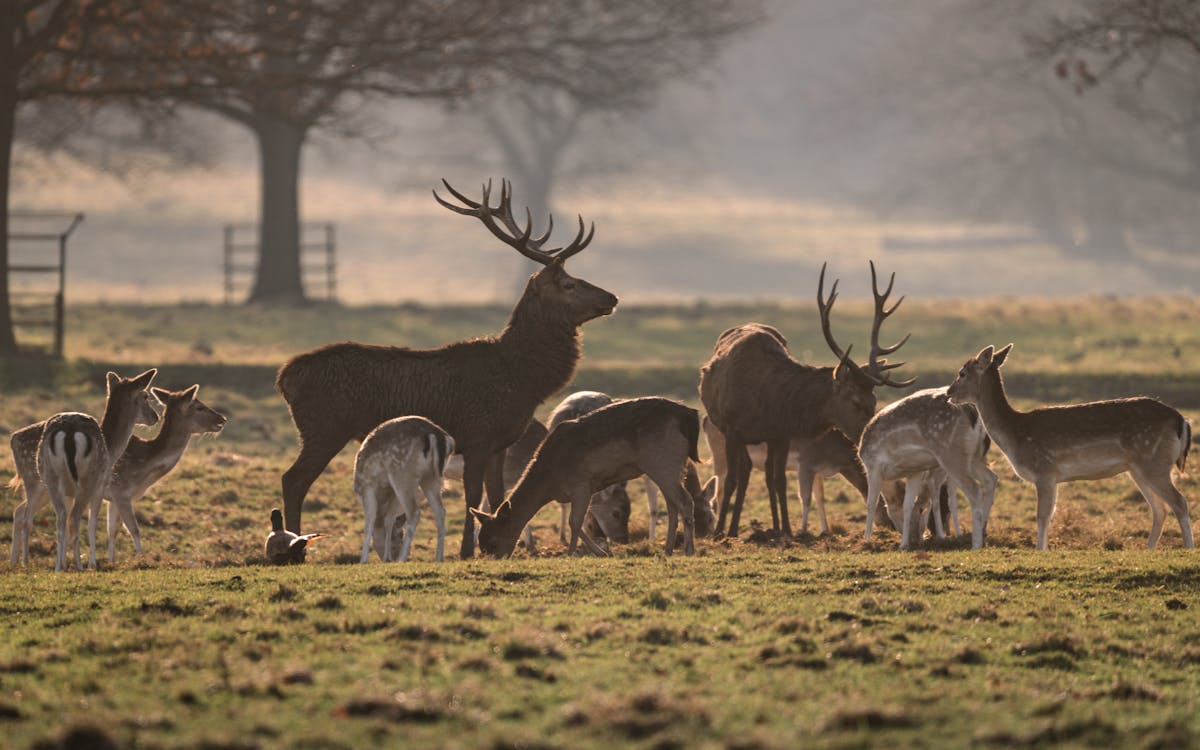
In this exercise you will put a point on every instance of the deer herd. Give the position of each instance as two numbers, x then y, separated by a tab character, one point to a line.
466	410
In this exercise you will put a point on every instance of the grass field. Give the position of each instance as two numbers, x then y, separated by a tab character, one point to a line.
828	641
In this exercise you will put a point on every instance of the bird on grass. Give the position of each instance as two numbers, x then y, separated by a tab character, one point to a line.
283	547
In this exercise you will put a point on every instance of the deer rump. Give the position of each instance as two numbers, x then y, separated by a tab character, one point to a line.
341	392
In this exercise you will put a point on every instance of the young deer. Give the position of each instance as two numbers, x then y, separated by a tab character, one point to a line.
516	458
399	456
1054	444
619	442
70	455
145	462
755	392
483	392
925	439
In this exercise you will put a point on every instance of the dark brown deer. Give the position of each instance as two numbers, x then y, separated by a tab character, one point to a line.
755	392
483	392
616	443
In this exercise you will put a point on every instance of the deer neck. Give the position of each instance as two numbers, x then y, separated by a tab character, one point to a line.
999	417
534	490
117	429
542	345
856	474
172	437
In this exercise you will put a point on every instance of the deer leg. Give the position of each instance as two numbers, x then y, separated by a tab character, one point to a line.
1047	495
370	506
62	526
911	489
129	518
874	488
1161	492
769	481
651	506
672	528
313	459
818	496
580	499
935	489
433	495
18	531
742	482
564	521
728	482
474	468
679	503
780	480
35	500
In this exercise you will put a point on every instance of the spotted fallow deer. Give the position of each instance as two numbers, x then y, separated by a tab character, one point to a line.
401	457
1054	444
924	438
145	462
619	442
71	455
483	392
755	392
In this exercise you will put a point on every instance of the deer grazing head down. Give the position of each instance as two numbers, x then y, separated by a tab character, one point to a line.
580	300
853	401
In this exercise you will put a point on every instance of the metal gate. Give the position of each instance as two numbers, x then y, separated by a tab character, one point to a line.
318	274
37	253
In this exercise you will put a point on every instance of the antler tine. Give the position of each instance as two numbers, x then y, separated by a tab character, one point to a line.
824	307
471	209
876	367
517	237
579	243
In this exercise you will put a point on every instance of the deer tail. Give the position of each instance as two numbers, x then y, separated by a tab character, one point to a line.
1185	436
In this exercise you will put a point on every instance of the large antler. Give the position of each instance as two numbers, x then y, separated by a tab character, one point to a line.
520	238
877	368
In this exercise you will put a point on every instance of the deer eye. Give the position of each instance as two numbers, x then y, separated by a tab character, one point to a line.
568	285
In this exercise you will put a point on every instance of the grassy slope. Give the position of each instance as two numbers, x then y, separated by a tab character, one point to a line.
829	638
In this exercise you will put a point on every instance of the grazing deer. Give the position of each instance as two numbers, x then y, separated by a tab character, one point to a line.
755	392
619	442
483	392
516	458
609	508
925	439
145	462
70	455
1054	444
399	456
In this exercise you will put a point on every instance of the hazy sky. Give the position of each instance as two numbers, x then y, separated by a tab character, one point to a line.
795	149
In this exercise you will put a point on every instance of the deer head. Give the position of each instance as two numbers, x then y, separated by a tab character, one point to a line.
579	300
853	403
967	385
190	411
495	537
128	396
610	512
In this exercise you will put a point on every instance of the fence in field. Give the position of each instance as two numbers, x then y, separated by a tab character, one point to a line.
318	259
37	274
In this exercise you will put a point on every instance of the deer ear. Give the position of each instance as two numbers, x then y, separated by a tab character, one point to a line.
999	357
160	394
147	377
984	356
111	380
191	392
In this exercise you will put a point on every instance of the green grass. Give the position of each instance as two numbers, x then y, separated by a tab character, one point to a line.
829	641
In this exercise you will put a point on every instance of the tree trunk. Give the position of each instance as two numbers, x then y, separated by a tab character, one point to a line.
278	278
8	111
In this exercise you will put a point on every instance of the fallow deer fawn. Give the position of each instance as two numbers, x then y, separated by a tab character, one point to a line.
1054	444
145	462
71	455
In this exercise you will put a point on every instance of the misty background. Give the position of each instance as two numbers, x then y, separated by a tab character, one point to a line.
926	136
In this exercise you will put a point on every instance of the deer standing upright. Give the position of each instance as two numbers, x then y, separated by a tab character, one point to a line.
1054	444
755	392
50	457
483	392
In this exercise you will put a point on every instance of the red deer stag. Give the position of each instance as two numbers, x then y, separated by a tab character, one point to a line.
755	392
483	392
1054	444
